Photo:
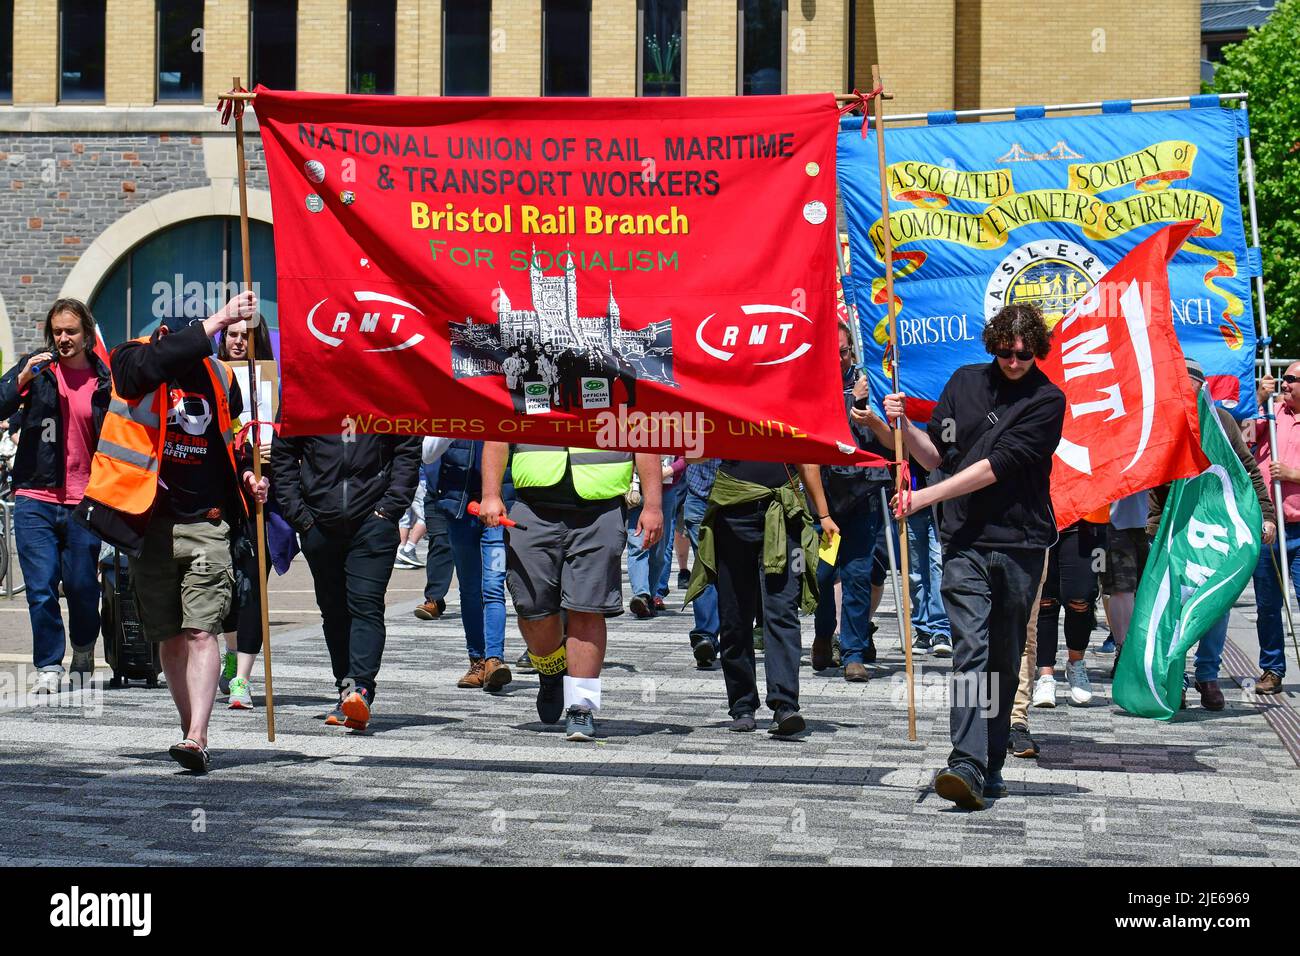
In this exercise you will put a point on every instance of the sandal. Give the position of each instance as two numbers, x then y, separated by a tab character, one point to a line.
193	757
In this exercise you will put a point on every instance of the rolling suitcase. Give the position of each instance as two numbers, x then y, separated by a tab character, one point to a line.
126	650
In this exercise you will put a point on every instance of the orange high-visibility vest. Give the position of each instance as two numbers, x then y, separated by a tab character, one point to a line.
124	471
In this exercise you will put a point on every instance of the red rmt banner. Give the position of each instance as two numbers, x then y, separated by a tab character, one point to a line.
636	274
1131	419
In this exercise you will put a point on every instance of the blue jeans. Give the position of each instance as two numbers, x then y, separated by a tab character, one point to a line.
1209	652
52	548
858	533
1268	600
672	495
480	556
926	575
647	566
705	604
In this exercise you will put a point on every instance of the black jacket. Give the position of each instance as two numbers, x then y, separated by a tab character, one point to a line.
40	464
1016	426
323	478
138	369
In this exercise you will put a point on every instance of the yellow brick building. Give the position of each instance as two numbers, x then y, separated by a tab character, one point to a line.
935	54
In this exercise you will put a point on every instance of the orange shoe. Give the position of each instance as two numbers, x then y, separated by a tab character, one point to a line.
356	708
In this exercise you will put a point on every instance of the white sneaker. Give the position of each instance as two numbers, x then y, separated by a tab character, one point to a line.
1076	672
48	682
1045	691
406	559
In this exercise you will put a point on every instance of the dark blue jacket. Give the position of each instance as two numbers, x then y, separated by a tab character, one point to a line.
460	479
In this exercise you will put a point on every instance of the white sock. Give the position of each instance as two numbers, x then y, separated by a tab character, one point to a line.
582	692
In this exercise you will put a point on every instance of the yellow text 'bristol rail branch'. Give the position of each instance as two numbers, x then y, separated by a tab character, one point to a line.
561	221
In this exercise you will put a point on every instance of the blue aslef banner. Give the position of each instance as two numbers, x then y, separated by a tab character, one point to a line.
1037	210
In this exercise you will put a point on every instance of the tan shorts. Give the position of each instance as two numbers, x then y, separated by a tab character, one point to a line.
184	578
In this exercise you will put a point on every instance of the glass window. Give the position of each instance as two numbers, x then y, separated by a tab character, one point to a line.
273	44
6	50
566	48
81	50
180	50
661	24
762	47
372	46
192	267
466	28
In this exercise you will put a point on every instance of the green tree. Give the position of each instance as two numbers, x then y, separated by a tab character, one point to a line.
1266	65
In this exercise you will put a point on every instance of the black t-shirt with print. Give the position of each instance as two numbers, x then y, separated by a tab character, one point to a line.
195	473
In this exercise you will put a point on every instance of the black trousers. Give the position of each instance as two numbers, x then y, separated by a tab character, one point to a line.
350	569
987	595
743	592
1071	581
439	564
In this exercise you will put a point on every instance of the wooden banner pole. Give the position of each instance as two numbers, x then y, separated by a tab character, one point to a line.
899	453
251	403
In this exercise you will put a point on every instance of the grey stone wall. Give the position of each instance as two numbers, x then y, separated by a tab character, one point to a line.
58	192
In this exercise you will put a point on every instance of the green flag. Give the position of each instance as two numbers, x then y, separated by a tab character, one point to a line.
1202	557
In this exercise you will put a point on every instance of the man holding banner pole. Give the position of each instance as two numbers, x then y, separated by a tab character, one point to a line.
1278	453
994	431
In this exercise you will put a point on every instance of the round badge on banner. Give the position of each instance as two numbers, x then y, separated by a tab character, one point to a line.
347	197
315	170
315	203
812	169
815	212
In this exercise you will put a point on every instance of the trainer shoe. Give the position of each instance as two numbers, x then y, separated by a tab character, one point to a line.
229	663
1108	645
550	697
525	664
787	723
921	643
474	676
961	786
48	682
405	558
683	579
579	724
1045	691
744	724
941	645
496	674
336	717
240	698
430	610
1020	744
1076	672
356	708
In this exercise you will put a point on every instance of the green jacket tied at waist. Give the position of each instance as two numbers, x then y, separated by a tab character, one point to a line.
786	503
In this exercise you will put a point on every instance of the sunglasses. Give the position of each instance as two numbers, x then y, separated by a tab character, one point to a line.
1291	379
1024	355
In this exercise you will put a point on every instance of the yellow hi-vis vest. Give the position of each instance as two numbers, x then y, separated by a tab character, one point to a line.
598	474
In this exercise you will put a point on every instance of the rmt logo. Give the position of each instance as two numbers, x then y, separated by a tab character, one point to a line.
767	335
375	317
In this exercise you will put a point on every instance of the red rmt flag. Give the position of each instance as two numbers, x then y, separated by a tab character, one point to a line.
1130	421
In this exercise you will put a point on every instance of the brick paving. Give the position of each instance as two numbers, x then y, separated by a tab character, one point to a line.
462	776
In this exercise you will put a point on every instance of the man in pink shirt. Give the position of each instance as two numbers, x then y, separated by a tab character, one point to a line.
60	394
1268	589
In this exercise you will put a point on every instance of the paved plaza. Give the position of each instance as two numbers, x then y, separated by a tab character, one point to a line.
462	776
